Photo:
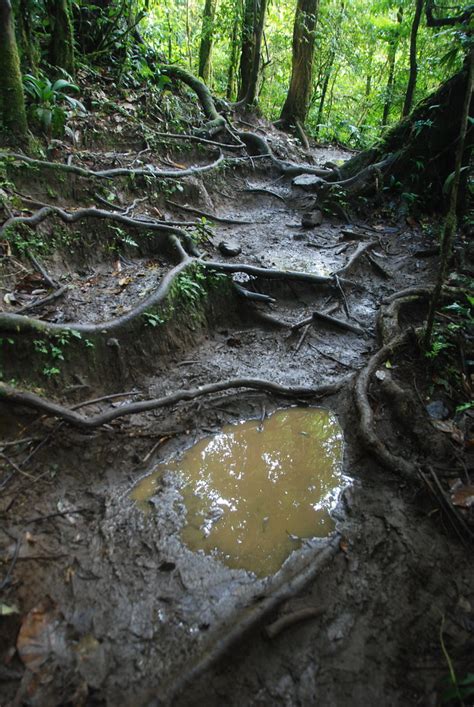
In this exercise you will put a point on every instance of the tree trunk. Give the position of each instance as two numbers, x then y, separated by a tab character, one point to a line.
413	62
392	53
27	44
205	49
13	125
252	34
61	49
295	108
234	47
417	154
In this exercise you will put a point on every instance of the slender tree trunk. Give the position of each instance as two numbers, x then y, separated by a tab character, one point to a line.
188	37
61	49
413	61
252	35
295	108
205	49
13	125
392	54
329	69
234	48
322	100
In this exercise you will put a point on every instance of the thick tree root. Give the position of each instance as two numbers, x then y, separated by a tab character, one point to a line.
19	324
216	122
91	212
149	171
250	620
12	396
368	435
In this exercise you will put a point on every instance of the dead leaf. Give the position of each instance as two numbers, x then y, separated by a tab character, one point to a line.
124	281
42	635
448	427
344	545
463	496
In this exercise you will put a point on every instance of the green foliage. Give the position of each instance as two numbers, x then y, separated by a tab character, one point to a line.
153	319
450	339
49	103
52	349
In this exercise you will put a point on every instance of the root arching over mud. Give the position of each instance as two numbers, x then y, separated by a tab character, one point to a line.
166	329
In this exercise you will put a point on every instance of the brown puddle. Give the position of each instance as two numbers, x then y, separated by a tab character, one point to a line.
254	490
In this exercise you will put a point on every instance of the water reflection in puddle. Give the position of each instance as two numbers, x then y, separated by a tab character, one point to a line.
254	490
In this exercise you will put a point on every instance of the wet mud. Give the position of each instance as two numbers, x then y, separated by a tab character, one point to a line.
109	604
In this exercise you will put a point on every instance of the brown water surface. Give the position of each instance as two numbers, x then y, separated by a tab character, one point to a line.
254	490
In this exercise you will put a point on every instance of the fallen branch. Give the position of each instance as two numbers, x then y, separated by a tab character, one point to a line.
254	296
149	170
42	271
19	324
211	217
359	251
44	300
322	317
267	192
288	620
14	396
248	621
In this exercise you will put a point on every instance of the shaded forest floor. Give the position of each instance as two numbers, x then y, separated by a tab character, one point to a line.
112	606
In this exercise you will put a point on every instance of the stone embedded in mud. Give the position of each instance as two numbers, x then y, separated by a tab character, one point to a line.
437	410
307	181
229	248
311	219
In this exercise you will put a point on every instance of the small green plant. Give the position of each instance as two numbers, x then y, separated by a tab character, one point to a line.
153	319
52	348
121	238
49	103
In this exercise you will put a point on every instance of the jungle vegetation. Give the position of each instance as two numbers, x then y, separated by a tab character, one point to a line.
344	70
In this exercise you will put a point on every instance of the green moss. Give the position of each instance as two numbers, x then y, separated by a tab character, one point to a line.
13	125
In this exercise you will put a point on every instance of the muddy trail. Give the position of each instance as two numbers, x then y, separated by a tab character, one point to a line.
241	315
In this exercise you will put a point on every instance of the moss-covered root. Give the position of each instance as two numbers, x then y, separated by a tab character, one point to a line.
216	122
13	125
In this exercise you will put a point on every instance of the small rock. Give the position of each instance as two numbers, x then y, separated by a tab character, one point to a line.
299	236
307	181
437	410
311	219
229	248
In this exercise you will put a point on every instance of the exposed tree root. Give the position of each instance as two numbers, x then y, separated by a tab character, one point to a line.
288	620
217	122
149	171
366	416
253	617
90	212
19	324
12	396
201	140
360	250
